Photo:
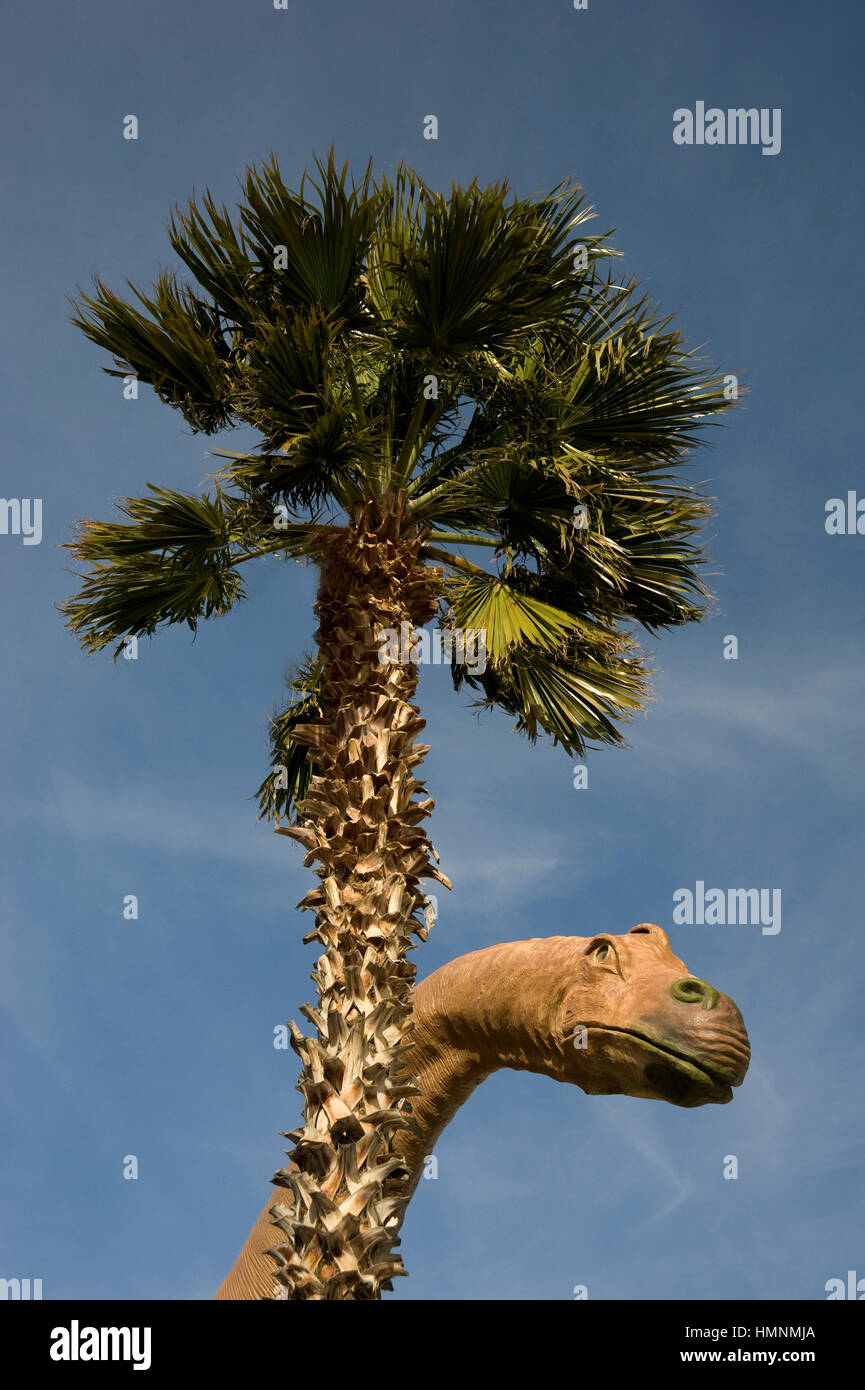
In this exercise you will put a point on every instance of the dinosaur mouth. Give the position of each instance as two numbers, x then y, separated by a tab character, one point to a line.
677	1074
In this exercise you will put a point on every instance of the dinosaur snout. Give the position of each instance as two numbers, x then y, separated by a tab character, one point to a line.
708	1027
694	991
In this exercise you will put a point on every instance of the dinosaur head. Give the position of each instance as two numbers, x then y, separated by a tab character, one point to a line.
636	1022
649	1027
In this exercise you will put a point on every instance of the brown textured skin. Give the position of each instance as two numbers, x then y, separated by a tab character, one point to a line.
518	1005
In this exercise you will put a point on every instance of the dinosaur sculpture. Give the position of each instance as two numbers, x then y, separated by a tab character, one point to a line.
610	1014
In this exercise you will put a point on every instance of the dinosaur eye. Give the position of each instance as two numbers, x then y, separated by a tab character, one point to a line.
601	951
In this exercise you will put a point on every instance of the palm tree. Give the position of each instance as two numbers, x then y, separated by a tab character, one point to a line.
428	374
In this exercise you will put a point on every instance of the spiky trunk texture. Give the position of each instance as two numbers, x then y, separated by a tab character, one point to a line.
346	1189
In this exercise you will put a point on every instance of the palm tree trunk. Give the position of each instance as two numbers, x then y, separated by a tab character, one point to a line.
346	1188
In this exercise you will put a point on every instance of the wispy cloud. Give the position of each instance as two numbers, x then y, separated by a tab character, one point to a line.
811	713
638	1131
164	818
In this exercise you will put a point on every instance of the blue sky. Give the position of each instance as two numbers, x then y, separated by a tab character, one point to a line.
154	1037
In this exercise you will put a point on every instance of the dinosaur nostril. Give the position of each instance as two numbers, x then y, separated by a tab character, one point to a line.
693	991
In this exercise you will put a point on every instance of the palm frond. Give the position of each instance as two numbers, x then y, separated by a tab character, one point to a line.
301	406
133	597
164	521
291	763
174	561
572	696
180	350
481	269
489	604
217	254
312	249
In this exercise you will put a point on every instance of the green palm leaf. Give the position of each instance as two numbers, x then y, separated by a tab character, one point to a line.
292	766
487	603
482	269
174	561
573	696
179	350
312	251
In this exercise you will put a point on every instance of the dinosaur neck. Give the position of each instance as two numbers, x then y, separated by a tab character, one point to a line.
484	1011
